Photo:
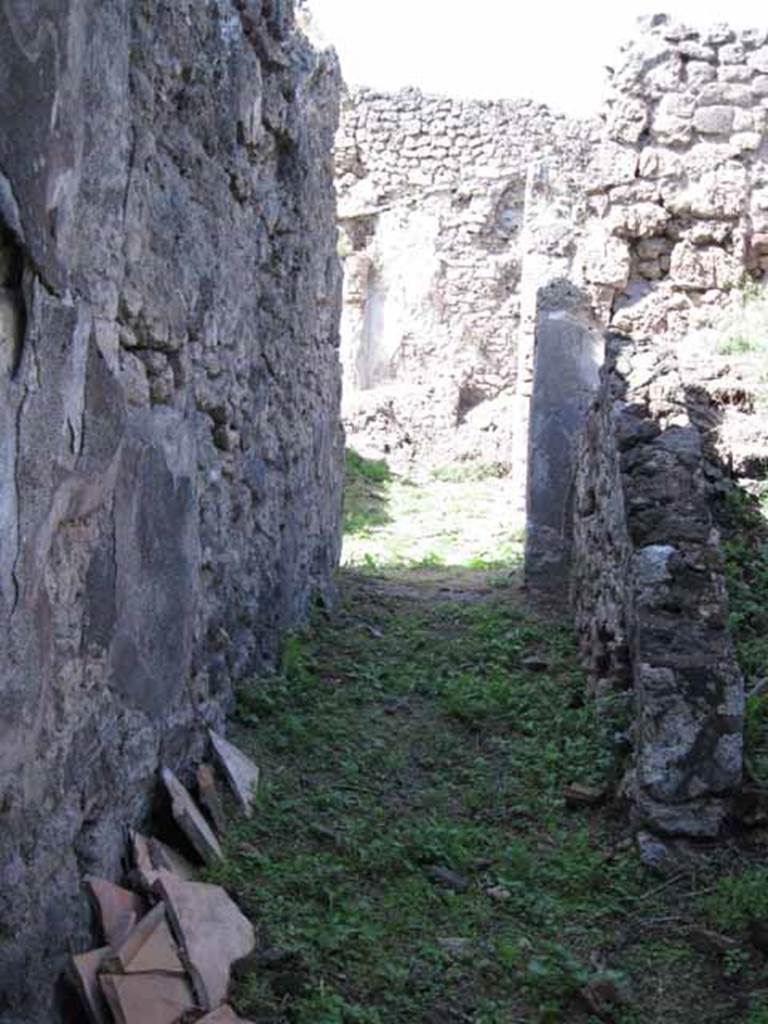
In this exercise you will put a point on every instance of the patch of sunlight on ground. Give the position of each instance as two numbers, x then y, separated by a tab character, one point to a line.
457	518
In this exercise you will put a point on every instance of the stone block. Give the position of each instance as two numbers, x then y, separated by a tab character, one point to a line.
606	258
208	795
713	194
693	51
703	268
717	35
242	774
699	74
671	123
759	60
753	37
733	53
612	164
642	220
656	163
165	858
714	120
118	909
628	120
746	142
735	73
223	1015
84	972
725	94
148	948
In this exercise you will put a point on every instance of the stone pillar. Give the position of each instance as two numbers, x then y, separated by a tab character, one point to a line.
568	355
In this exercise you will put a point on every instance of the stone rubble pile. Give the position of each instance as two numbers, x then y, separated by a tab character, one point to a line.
169	941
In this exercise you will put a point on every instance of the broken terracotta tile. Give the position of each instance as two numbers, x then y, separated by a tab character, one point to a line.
165	858
209	797
83	970
147	998
224	1015
140	855
118	909
190	819
212	931
144	873
242	774
149	948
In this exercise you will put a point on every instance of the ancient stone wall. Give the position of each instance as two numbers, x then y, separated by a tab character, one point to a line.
170	458
441	202
678	225
649	591
679	185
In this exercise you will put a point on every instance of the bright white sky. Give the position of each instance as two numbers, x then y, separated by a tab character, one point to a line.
553	51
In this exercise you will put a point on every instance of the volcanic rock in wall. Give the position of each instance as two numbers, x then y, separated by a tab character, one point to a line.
170	448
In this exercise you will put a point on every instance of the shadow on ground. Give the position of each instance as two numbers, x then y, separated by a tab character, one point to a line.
366	493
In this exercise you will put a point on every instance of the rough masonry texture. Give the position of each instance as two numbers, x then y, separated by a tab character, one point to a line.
488	249
678	222
446	207
170	451
649	590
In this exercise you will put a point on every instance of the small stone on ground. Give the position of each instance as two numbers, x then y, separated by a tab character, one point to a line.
242	774
212	931
118	909
209	797
83	970
149	948
147	998
190	820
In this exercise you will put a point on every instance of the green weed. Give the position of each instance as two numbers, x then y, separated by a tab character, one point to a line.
745	549
452	519
462	472
738	899
739	346
366	493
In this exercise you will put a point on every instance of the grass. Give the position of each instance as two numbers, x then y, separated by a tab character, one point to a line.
404	739
394	522
412	858
366	483
388	759
738	899
743	327
744	520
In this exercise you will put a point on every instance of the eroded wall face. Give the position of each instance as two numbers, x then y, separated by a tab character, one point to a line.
435	197
678	226
170	449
